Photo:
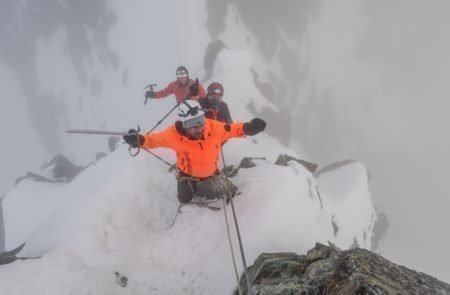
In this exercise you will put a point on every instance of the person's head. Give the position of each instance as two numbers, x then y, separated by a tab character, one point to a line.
192	118
215	93
182	75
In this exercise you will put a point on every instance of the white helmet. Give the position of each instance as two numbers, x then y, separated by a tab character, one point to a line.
191	114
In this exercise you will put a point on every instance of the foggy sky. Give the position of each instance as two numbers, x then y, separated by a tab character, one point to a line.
371	80
366	80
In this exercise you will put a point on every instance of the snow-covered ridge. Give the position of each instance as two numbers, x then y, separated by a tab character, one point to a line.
116	216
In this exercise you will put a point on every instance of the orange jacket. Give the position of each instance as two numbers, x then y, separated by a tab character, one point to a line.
179	91
197	158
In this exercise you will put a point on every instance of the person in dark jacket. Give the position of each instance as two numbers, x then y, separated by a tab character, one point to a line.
213	105
179	88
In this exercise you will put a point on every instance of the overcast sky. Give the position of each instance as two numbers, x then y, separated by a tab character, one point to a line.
354	79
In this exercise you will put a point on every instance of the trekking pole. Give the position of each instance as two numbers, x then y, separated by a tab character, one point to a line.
241	248
160	121
159	158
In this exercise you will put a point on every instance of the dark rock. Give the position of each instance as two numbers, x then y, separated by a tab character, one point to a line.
246	162
64	168
209	60
284	159
379	229
36	177
333	166
10	256
121	280
335	226
99	156
60	168
328	270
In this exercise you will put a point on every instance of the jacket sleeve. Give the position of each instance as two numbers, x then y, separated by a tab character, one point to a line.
166	91
201	91
202	102
233	130
227	114
166	138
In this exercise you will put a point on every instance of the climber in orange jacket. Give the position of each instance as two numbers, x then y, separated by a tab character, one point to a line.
180	87
197	142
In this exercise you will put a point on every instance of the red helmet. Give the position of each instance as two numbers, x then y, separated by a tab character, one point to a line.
215	88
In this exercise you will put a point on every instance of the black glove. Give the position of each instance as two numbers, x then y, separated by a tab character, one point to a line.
255	126
193	89
150	94
133	138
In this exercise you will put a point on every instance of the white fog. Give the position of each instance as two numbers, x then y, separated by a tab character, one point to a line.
364	80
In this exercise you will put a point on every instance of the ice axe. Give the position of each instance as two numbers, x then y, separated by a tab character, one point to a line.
150	87
101	132
120	133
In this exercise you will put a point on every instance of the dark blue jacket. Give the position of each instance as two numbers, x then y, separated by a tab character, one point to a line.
219	113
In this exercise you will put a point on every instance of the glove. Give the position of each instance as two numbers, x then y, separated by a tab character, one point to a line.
193	88
150	94
255	126
133	138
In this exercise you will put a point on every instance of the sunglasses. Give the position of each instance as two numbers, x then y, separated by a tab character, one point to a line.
213	95
182	74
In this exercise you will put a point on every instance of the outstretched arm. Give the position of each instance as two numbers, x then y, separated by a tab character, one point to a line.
166	91
153	140
255	126
251	128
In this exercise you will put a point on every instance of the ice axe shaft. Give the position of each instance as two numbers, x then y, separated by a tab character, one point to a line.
102	132
97	132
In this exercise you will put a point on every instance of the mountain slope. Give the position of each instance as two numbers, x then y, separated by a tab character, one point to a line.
116	216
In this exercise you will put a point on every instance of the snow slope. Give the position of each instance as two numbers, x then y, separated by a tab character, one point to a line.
116	216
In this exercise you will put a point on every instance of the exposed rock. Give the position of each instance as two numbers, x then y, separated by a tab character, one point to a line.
209	60
265	88
121	280
36	177
59	169
284	159
99	156
335	226
64	168
328	270
334	166
379	229
10	256
246	162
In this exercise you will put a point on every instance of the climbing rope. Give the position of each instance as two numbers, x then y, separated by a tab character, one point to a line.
231	245
241	248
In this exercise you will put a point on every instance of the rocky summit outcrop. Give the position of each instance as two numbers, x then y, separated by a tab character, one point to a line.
328	270
10	256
